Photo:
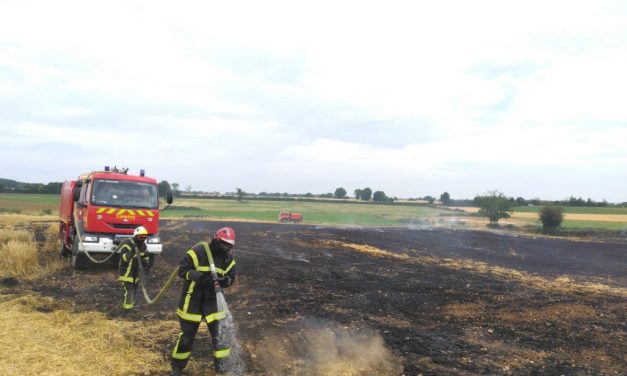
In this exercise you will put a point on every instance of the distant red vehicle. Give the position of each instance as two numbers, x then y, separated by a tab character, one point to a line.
290	217
105	207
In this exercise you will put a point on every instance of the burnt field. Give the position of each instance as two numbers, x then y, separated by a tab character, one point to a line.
320	300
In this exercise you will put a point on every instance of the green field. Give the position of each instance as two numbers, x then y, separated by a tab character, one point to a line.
314	212
594	225
575	210
29	203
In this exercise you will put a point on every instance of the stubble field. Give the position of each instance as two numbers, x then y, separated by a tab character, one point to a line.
314	300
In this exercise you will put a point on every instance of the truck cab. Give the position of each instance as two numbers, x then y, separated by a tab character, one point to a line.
104	207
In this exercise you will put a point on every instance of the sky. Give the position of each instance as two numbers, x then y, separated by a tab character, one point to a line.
412	98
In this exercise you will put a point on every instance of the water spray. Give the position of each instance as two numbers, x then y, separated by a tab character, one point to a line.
227	332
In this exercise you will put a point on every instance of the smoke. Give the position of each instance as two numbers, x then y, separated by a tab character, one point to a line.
328	349
293	256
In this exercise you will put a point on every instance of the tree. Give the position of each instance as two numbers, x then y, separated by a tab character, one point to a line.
175	189
340	193
357	193
164	187
379	196
494	206
445	198
188	188
240	194
551	217
366	194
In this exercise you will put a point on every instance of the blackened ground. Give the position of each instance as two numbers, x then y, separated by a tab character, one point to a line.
435	318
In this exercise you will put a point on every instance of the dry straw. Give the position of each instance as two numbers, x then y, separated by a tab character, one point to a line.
54	341
21	257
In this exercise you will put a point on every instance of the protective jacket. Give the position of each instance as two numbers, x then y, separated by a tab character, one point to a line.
198	301
129	268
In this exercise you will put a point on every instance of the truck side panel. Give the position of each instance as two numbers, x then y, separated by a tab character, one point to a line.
67	202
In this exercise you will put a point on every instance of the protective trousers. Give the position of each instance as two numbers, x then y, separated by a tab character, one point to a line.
185	344
130	290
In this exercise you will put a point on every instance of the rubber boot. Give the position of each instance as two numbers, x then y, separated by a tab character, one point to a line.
176	371
221	366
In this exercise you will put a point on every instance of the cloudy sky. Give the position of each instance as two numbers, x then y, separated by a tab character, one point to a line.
412	98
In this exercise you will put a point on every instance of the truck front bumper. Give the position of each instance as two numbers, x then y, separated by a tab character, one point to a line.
108	245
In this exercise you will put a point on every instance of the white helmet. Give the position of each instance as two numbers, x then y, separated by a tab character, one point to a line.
141	230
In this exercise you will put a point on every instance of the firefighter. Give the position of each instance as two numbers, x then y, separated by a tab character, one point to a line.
129	267
198	299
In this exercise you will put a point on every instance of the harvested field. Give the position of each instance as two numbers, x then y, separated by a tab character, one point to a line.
313	300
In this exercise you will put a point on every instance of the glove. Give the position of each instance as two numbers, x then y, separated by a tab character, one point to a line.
204	280
225	281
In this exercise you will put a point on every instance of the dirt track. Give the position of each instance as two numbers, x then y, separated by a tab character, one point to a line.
445	302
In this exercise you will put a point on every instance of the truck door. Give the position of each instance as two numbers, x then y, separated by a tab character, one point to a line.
83	200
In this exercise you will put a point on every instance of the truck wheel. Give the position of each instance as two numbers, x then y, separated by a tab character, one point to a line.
78	259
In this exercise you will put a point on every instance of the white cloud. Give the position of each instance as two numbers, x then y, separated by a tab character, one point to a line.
286	85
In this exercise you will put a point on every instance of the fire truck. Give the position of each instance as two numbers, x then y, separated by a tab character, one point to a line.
290	217
104	207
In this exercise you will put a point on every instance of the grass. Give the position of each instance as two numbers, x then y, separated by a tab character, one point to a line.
594	225
22	257
74	343
575	210
313	212
46	206
30	203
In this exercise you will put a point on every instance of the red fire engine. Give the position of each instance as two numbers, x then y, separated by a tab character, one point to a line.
290	217
104	207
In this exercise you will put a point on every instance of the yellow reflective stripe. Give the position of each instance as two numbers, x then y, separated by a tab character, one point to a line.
140	212
101	210
130	212
128	268
215	316
111	211
203	269
188	316
231	265
128	306
121	211
221	353
205	245
222	271
150	213
176	354
125	278
188	297
192	254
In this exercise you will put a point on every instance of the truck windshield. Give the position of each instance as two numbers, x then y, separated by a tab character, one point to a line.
124	194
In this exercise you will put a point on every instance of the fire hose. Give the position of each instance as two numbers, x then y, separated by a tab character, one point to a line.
80	240
142	278
142	275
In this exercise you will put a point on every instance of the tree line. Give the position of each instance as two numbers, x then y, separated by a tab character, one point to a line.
365	194
12	186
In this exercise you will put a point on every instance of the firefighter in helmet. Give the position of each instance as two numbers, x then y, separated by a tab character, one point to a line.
198	299
129	267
